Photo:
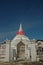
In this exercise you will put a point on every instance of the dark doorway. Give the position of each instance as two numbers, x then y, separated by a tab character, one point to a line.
21	50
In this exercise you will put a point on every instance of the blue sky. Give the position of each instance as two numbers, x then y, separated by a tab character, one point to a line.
27	12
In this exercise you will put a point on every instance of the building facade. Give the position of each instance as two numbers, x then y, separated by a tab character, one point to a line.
21	48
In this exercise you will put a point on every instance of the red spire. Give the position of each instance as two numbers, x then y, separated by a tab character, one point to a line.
20	32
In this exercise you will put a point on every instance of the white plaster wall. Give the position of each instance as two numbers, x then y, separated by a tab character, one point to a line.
12	48
7	52
42	44
33	52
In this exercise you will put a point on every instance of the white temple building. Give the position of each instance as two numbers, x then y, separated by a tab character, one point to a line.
21	48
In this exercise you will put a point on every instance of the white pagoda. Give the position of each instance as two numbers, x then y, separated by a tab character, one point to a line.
21	47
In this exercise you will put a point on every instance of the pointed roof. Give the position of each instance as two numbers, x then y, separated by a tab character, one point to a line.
20	37
20	32
20	29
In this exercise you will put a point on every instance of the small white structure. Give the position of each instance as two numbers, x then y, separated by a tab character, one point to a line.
5	51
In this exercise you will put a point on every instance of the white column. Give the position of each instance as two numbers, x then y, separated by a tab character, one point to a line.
7	50
33	52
